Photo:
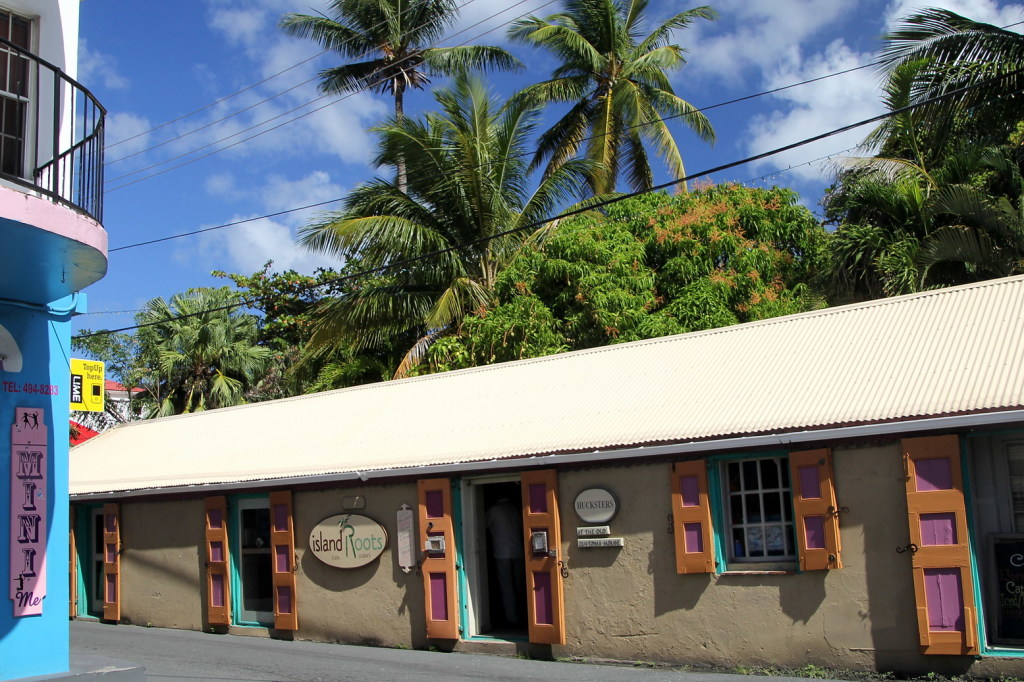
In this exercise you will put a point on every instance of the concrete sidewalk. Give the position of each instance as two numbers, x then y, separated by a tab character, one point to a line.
188	655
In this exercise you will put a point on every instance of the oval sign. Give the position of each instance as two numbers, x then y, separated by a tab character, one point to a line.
596	505
347	540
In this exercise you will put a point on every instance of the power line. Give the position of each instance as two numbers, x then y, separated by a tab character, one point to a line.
220	227
285	113
301	208
213	103
252	106
587	206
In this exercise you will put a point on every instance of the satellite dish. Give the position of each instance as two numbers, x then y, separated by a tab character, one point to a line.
10	354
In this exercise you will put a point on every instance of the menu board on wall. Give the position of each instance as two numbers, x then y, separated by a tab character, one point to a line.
1008	557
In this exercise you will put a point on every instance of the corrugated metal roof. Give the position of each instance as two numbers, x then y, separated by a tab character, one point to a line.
943	352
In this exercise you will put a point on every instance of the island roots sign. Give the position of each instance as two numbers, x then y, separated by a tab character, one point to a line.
347	540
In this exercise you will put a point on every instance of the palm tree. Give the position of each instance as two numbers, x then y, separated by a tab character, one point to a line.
960	52
468	183
400	34
200	353
617	85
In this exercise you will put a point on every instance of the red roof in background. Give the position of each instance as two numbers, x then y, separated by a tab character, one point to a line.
111	385
84	433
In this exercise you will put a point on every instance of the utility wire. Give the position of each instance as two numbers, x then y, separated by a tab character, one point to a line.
332	201
666	118
212	104
586	207
284	123
251	106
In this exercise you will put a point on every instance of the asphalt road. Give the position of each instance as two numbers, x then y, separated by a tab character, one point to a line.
188	655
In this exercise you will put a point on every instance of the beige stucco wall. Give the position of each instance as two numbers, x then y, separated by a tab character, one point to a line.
624	603
376	604
162	563
630	603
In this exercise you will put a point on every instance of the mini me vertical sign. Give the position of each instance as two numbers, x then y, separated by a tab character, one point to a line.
29	460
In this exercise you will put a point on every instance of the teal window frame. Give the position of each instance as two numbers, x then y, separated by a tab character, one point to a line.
720	518
986	649
235	543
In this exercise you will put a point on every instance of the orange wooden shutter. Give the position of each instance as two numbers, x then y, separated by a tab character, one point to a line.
691	518
545	606
218	576
282	554
72	567
815	509
437	539
111	562
943	586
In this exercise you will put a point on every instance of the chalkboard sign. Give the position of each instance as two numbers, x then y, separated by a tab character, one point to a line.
1008	553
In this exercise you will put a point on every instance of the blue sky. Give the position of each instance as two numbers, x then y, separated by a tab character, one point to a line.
162	60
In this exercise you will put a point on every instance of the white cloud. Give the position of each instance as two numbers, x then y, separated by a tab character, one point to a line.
98	67
126	134
986	11
809	110
756	36
222	186
831	103
245	248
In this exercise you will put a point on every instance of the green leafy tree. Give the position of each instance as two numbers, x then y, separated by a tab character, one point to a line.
401	36
649	266
468	185
286	303
199	351
617	83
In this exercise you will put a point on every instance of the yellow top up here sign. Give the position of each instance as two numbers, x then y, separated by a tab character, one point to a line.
86	385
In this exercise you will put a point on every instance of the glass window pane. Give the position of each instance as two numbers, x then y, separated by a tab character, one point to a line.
20	32
760	518
769	473
739	543
736	508
255	528
733	470
750	475
1015	463
753	508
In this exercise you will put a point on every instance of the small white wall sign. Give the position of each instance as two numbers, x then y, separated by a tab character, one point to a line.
600	542
592	531
406	541
596	505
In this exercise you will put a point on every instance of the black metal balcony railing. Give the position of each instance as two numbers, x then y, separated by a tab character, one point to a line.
51	131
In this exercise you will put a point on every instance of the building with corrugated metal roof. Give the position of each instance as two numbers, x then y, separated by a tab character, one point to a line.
843	487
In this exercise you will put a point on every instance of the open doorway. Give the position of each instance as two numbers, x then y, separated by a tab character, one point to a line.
495	568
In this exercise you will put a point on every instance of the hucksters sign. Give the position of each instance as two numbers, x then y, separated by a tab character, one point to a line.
347	540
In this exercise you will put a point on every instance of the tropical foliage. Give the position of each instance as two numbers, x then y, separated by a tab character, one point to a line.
199	352
618	87
401	36
939	202
468	203
652	265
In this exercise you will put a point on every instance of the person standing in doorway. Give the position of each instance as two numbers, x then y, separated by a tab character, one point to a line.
504	525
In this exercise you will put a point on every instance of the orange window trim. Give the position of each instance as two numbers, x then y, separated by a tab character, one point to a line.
940	502
691	518
815	510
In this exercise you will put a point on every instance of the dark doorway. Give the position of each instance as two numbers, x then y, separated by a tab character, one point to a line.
504	590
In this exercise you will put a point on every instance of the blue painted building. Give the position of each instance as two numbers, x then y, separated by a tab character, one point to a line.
52	245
